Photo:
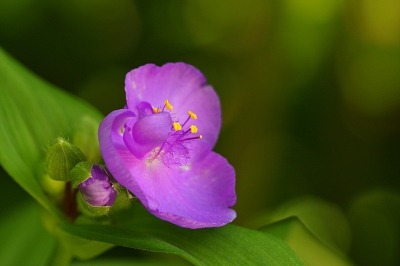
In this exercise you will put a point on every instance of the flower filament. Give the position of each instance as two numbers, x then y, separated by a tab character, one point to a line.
174	150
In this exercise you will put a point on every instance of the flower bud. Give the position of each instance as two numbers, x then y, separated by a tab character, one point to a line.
61	157
96	192
85	137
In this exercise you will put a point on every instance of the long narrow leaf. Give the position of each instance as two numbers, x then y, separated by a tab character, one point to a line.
32	114
228	245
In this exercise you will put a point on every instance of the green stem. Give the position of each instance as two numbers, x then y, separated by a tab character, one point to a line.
60	256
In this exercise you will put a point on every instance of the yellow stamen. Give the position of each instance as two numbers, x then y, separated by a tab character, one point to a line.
193	129
156	110
192	115
168	105
200	136
177	126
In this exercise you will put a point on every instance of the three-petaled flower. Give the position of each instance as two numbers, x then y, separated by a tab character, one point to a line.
160	146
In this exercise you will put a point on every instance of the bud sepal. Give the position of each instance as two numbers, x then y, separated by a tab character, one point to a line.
90	210
80	173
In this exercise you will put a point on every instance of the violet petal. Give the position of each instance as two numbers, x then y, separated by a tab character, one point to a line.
97	190
192	196
115	155
185	88
154	84
147	133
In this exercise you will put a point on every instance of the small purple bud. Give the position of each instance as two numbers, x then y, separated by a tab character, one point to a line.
97	190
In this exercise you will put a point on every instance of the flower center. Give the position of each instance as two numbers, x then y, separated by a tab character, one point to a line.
155	136
174	150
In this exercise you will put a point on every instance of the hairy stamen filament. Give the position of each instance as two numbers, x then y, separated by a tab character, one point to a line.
172	149
191	116
197	137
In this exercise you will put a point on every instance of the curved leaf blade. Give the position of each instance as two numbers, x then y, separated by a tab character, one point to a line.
308	246
32	114
228	245
323	219
21	229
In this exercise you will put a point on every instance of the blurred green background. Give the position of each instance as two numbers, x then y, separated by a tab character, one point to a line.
310	91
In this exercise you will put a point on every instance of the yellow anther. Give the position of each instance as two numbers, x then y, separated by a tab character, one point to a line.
200	136
168	105
156	110
193	129
177	126
192	115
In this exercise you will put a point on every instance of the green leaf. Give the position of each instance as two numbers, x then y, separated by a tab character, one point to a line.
32	114
375	218
280	229
309	248
228	245
130	262
323	219
24	241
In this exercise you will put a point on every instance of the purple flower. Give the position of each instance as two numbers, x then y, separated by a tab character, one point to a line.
159	146
97	190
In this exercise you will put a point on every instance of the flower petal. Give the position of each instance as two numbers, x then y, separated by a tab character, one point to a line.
185	88
153	84
194	196
147	133
144	109
152	129
117	124
115	154
205	104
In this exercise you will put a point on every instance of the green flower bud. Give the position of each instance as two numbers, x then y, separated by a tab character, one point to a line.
61	157
85	137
